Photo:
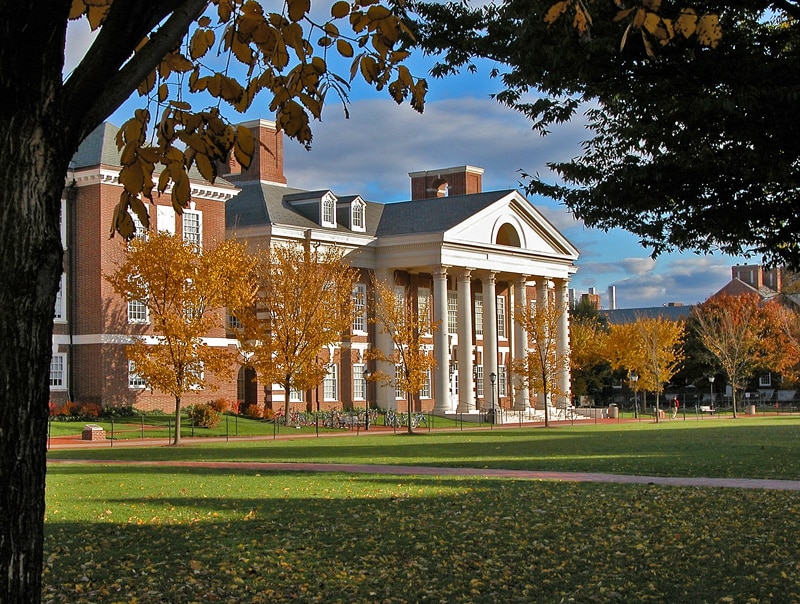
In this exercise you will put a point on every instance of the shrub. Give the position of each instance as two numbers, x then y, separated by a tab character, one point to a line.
252	411
72	411
269	414
204	416
220	405
109	412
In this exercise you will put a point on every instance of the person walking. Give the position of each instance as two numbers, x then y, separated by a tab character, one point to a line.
676	404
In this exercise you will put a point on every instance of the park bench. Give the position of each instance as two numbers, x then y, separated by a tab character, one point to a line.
707	409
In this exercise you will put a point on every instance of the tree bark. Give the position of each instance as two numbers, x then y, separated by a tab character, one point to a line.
34	157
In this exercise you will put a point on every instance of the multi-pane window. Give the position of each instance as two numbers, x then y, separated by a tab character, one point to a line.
502	383
139	230
295	396
234	324
360	307
426	387
137	311
331	383
359	383
479	380
501	317
398	380
765	381
58	312
358	215
424	307
135	381
193	227
198	371
478	314
400	300
58	373
452	312
327	210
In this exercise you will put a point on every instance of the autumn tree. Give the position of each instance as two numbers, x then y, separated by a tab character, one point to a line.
546	361
741	332
185	291
690	109
303	306
166	50
407	324
649	348
588	332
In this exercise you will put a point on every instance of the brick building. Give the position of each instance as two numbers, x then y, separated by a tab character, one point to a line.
473	255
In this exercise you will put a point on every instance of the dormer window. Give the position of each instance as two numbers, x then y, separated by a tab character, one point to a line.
357	221
328	210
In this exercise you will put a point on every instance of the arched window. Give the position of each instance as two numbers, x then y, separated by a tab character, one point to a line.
507	235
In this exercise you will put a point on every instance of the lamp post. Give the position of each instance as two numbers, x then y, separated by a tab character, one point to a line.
492	378
634	378
366	399
711	382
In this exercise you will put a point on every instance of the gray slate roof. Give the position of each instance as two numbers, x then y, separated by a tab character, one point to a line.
99	148
622	316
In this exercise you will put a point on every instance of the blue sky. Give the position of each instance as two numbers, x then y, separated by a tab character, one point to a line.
372	153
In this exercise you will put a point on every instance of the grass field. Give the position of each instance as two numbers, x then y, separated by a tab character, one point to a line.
168	534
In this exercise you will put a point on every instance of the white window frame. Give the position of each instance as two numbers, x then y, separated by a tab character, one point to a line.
426	386
232	322
138	313
358	216
399	393
478	314
58	371
359	383
479	381
501	317
330	386
135	381
139	231
424	306
202	375
765	381
59	316
295	395
452	311
502	381
188	230
360	308
327	211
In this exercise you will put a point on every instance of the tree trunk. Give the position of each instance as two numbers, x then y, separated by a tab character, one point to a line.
177	439
34	157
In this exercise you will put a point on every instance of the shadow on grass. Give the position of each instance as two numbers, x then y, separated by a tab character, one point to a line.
183	536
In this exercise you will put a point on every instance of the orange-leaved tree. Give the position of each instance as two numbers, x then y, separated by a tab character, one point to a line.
185	290
407	324
546	361
303	306
742	332
650	348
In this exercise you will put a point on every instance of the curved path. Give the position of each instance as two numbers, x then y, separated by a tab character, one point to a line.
735	483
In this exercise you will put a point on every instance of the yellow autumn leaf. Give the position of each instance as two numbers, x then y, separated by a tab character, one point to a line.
555	11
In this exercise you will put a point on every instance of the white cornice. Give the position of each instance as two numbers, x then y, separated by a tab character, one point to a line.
110	176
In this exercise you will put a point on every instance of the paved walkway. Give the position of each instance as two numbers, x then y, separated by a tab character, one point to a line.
734	483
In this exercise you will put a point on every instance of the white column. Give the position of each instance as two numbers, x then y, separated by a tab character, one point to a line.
521	400
542	292
441	350
466	391
489	334
562	301
383	341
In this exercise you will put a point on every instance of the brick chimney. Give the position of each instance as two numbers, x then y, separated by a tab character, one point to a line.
267	162
460	180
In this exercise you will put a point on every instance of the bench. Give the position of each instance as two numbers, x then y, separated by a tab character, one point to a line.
707	409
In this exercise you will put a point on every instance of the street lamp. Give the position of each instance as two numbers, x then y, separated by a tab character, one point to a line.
492	378
711	382
634	377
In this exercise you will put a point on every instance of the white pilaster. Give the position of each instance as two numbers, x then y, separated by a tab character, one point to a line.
441	350
466	391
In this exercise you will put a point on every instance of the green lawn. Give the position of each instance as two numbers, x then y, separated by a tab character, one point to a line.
752	448
152	534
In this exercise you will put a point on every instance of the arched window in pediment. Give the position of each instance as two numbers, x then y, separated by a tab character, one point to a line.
507	235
